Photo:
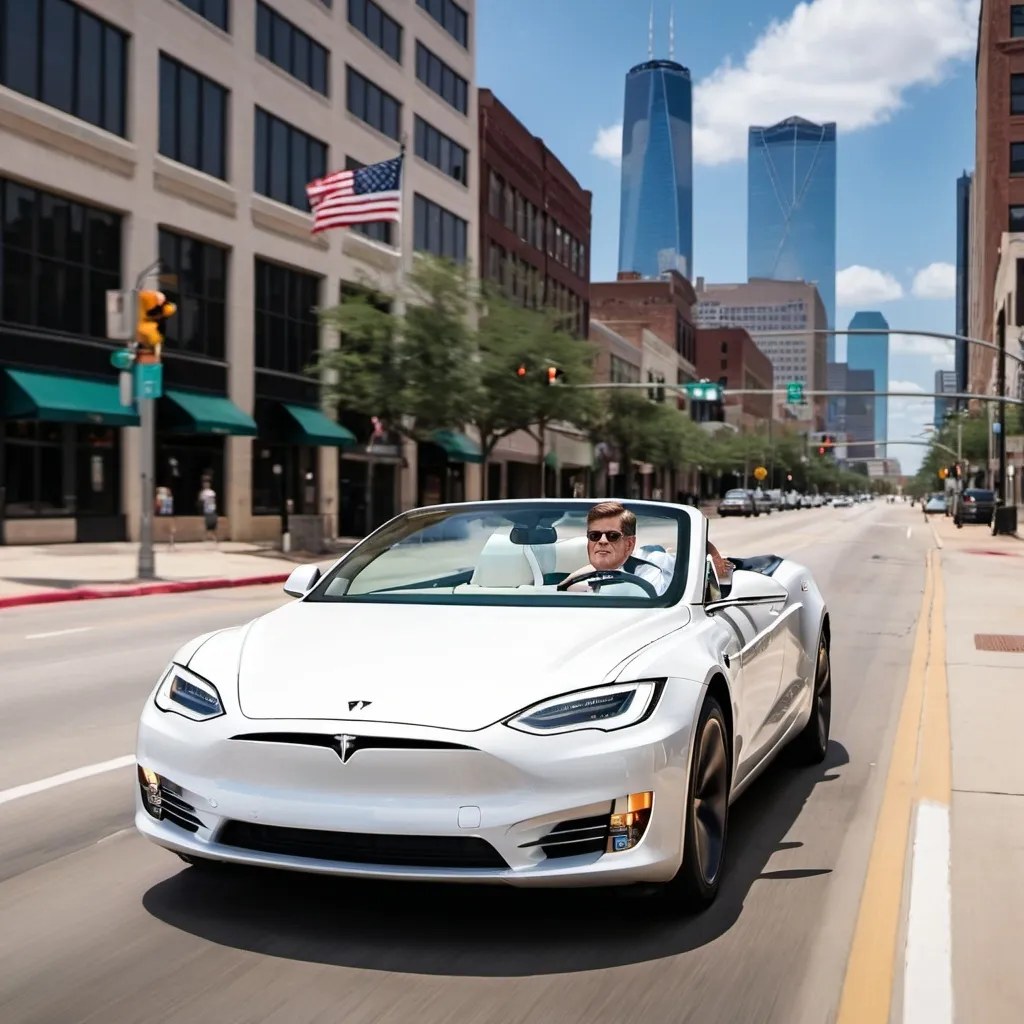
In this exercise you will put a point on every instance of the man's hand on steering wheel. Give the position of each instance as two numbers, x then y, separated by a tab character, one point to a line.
599	576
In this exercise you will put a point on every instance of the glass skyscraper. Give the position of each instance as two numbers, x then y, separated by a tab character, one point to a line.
791	208
656	215
871	352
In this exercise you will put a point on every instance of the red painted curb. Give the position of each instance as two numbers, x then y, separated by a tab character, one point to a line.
142	590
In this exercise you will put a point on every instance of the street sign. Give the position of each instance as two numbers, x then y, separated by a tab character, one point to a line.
760	473
795	393
122	359
703	391
120	319
149	380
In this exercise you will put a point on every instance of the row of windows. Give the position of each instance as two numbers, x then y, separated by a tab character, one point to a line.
532	225
442	152
193	115
287	328
371	104
378	26
450	16
291	49
438	231
521	281
60	54
286	160
441	79
201	270
214	11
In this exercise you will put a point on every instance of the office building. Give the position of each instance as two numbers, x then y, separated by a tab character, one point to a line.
192	140
656	212
730	357
963	277
871	352
780	316
997	189
855	420
945	383
791	208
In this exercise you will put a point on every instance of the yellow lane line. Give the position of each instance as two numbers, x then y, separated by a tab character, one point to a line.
867	988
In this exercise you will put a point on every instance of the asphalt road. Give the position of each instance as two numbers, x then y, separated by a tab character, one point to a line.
96	924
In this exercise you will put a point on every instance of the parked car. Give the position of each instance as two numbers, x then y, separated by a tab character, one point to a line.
738	502
975	506
935	505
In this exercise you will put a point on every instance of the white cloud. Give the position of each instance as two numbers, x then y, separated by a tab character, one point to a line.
859	286
908	416
905	385
831	60
936	281
938	351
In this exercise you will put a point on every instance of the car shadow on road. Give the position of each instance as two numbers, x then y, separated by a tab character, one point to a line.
484	931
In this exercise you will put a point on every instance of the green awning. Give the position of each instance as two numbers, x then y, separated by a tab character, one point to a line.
551	460
58	399
457	447
314	428
207	414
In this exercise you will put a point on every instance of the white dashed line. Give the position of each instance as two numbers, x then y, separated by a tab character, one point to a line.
76	774
910	530
58	632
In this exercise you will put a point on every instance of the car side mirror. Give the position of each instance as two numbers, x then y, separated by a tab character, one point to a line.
302	580
750	588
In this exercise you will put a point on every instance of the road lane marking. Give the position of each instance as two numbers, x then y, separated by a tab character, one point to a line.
75	775
910	530
58	632
867	988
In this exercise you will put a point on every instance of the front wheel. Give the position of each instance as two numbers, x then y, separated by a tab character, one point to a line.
695	885
811	744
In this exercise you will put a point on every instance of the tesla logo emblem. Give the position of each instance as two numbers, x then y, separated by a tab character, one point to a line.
358	705
346	745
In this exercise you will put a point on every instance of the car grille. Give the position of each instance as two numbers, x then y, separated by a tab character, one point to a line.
576	837
362	847
357	743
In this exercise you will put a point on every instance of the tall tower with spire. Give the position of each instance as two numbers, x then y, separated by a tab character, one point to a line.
656	213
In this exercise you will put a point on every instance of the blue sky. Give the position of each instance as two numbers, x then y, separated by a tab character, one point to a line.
898	77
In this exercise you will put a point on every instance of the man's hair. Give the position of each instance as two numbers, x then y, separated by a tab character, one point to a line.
614	510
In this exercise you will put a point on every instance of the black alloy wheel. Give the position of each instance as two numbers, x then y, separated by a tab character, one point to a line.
811	744
695	886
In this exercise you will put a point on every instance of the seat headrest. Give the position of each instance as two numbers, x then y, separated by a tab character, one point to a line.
502	564
570	555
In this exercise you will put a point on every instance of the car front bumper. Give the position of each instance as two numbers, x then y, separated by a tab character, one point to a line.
514	792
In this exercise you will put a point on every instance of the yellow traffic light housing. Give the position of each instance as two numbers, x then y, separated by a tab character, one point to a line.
153	310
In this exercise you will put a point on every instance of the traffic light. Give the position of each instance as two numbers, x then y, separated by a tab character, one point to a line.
154	309
827	443
521	372
554	375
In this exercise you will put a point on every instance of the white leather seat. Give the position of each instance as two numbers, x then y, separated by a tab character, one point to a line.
570	555
502	564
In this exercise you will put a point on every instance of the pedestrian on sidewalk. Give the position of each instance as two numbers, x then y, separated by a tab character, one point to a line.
208	503
165	509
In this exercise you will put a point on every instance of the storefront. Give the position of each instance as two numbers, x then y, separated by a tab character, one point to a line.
442	467
60	459
369	476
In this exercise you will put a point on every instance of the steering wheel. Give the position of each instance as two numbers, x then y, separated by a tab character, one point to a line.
599	576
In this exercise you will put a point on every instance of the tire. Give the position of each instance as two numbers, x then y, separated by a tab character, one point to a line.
705	835
810	745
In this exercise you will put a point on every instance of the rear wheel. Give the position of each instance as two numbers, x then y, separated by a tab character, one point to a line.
811	745
707	814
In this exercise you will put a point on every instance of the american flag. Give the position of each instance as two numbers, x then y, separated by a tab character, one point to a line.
364	196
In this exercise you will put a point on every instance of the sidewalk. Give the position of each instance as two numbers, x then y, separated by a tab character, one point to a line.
983	580
60	572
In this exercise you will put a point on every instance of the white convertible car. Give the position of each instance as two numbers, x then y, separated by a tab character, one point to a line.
435	707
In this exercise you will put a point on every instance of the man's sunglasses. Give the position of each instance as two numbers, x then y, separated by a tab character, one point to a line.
614	536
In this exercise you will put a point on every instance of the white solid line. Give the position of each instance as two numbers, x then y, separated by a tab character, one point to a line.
58	632
928	970
31	788
910	530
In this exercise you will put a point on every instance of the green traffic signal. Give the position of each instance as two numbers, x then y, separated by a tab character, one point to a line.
122	359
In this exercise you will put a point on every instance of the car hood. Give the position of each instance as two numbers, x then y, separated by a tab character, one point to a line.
445	666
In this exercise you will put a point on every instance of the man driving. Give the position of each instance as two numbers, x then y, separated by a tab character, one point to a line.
611	538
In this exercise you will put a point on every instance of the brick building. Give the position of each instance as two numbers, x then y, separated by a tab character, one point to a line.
729	356
534	217
997	193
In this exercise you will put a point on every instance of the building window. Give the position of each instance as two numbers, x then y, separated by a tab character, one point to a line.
58	259
441	79
379	231
287	328
1017	94
60	54
286	160
442	152
1016	218
184	462
1017	158
199	326
370	103
193	118
450	16
438	231
214	11
290	48
495	188
1017	20
378	26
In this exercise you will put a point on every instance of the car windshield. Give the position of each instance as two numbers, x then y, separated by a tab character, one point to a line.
735	494
517	553
981	495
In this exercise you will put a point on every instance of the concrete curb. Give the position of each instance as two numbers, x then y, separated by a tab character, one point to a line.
141	590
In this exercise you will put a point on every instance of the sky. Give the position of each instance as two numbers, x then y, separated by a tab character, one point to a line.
896	75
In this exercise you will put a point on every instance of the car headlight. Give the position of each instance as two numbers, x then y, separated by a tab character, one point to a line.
605	707
185	693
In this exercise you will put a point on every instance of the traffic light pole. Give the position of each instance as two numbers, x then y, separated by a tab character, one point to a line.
147	459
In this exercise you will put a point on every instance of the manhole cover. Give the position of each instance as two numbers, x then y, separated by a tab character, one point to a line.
1005	643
